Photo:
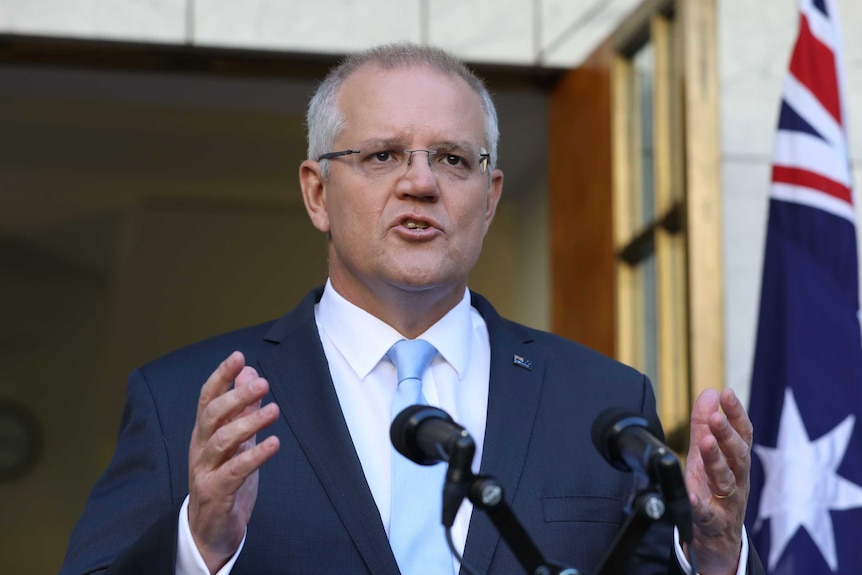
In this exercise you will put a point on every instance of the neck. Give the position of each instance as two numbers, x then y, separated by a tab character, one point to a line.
410	312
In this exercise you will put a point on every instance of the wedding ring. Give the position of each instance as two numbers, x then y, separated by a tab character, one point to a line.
724	496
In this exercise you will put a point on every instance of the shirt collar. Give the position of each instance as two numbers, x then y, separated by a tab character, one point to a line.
363	339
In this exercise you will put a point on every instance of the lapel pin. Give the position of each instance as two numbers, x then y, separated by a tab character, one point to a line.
523	362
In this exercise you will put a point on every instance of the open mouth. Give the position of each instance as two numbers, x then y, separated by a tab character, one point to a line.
413	225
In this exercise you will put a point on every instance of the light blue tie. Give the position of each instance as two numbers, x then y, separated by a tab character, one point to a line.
416	532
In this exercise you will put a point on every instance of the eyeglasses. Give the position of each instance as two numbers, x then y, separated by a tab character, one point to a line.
451	162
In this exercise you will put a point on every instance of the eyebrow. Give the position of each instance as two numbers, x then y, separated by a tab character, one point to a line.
381	143
454	146
401	142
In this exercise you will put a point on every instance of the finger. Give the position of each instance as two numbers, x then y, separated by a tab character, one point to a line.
720	477
737	416
233	474
735	449
246	375
704	406
236	435
221	379
240	433
245	379
230	405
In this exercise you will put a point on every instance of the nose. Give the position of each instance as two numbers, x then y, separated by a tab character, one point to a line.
419	180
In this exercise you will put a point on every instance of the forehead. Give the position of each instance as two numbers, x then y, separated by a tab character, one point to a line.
416	104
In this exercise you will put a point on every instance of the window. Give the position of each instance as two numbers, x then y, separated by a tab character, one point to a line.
667	204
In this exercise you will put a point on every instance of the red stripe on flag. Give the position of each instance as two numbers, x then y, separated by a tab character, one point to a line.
806	179
813	64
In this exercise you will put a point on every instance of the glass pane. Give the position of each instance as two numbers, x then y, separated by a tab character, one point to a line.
650	342
644	67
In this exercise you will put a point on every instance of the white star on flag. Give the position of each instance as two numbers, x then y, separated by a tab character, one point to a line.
802	483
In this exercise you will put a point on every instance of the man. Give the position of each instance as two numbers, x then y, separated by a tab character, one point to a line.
401	179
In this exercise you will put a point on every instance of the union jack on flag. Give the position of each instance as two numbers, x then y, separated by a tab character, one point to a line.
805	510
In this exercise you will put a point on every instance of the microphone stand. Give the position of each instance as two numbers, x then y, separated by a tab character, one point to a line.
646	504
486	493
663	483
647	508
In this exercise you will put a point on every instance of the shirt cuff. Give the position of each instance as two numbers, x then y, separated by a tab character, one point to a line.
189	560
686	566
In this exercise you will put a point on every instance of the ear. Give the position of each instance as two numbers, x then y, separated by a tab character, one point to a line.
495	191
314	194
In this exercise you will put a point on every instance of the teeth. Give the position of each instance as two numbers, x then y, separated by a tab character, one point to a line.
416	225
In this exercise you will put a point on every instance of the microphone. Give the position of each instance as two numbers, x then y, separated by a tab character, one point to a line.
628	442
427	435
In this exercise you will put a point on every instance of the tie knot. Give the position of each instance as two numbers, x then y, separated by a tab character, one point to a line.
411	358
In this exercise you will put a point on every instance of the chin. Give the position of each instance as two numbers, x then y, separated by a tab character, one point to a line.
417	274
413	284
418	283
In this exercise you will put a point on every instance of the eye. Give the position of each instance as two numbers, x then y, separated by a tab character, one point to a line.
382	156
453	160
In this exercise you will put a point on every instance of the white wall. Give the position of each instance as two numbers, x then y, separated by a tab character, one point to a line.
545	32
756	40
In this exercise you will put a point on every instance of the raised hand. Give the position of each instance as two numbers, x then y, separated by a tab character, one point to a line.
224	458
716	475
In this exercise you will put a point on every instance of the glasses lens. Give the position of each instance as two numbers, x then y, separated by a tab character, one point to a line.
450	162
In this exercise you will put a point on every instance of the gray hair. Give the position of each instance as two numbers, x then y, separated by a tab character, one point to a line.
325	120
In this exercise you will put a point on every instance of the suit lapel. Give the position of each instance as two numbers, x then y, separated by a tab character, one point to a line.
301	383
516	376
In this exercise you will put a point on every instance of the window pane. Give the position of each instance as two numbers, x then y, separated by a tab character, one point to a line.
644	67
650	341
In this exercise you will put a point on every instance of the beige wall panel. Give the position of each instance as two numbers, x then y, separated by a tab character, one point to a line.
326	26
478	31
151	21
569	30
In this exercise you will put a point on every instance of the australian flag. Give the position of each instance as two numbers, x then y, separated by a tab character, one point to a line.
805	510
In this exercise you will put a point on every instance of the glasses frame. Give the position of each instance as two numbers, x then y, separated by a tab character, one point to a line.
484	157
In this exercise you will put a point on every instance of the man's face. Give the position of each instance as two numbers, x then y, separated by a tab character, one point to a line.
414	228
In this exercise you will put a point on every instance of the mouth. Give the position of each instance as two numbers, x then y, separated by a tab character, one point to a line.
416	225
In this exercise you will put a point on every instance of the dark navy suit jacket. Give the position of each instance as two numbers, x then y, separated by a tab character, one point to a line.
315	512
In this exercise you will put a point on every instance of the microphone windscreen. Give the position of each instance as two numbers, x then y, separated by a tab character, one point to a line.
403	431
608	426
